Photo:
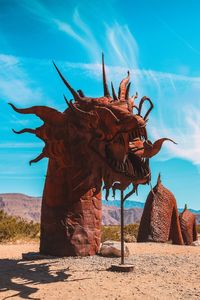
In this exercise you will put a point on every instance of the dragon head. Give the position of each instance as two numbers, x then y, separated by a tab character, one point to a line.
106	133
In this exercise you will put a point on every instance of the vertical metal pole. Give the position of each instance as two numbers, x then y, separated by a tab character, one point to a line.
122	228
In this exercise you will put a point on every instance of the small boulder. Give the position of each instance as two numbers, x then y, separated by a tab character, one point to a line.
113	249
196	243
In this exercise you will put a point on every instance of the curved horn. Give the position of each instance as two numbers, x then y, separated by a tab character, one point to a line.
119	91
74	93
110	121
106	112
45	113
141	104
123	85
134	97
105	85
85	115
131	101
113	92
135	106
29	130
127	90
150	151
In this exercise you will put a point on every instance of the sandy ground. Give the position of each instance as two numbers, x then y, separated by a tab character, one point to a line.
162	271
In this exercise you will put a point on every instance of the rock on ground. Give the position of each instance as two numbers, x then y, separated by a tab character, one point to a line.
161	271
113	249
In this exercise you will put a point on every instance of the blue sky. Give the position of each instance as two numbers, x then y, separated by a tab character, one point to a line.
158	41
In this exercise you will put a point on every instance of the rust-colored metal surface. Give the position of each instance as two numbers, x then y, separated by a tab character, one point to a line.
188	226
160	220
93	140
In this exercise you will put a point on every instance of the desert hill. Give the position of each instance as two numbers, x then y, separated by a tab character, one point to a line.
28	208
21	205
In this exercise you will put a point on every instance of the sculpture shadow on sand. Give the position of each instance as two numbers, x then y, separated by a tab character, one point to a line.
17	276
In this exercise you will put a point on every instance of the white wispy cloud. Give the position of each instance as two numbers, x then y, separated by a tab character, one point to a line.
16	120
76	28
185	132
21	145
176	113
122	50
24	177
118	71
63	26
122	44
15	84
178	36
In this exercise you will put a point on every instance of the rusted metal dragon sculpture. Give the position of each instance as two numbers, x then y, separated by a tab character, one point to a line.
160	219
188	226
94	140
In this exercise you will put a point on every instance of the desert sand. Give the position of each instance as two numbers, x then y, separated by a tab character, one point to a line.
162	271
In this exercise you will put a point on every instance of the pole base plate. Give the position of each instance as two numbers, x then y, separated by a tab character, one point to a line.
121	268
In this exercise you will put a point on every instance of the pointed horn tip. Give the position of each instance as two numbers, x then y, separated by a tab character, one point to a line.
54	64
167	139
12	105
56	67
159	179
172	141
13	130
73	92
66	99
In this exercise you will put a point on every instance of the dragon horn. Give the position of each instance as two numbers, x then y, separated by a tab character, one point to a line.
105	85
74	93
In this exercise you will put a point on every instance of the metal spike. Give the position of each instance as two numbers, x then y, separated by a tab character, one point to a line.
105	85
74	93
113	92
127	91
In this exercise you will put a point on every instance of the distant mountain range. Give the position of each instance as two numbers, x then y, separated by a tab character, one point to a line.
29	208
22	206
127	203
131	204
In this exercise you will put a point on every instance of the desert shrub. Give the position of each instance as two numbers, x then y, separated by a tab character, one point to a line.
132	229
12	228
113	232
110	233
198	229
